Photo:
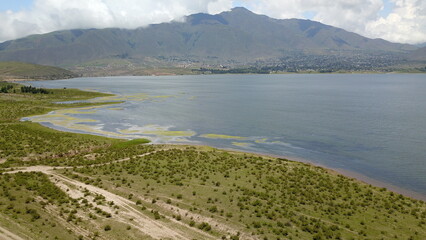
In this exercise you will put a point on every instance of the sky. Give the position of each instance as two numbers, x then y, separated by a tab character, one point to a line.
401	21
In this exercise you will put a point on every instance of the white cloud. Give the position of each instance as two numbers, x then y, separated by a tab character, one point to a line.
50	15
219	6
405	23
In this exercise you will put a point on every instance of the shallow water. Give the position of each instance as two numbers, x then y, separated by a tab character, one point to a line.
370	124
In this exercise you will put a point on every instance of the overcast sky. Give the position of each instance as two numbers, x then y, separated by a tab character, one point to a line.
394	20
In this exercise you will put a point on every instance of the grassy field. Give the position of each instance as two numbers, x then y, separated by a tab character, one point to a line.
29	141
25	71
57	185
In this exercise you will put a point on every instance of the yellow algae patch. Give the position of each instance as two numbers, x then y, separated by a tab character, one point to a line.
64	121
141	130
61	118
241	144
140	97
128	131
263	140
171	133
160	131
75	111
220	136
82	108
49	116
75	125
85	120
93	129
135	97
63	115
192	98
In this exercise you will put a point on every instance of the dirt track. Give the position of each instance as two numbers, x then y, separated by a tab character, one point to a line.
7	235
128	213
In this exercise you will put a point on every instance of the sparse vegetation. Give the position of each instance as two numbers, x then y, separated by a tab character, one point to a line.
272	198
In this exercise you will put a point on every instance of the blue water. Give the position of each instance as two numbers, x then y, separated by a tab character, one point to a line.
370	124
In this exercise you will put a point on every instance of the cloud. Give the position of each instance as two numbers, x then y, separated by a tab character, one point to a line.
50	15
406	22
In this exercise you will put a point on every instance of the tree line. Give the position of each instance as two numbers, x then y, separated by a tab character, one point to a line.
34	90
5	89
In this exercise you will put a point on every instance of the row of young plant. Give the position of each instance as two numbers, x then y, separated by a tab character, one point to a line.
273	198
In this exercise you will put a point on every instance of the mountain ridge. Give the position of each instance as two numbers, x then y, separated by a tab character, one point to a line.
234	38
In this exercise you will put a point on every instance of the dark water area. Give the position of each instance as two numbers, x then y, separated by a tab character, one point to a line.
370	124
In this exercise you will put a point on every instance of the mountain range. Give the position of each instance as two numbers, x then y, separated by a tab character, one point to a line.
232	38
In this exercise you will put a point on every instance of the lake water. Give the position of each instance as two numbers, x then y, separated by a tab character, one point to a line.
374	125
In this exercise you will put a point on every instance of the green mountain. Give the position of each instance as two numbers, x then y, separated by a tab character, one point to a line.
20	70
234	38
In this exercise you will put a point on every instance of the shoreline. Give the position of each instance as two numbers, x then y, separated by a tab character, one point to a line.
18	80
359	177
344	172
347	173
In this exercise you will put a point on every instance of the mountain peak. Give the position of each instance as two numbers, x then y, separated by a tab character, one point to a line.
203	18
240	9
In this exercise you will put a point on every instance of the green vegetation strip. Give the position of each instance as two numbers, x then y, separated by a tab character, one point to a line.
126	144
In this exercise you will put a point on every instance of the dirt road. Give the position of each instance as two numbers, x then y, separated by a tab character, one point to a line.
128	213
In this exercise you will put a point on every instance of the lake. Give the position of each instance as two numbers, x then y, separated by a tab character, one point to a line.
371	124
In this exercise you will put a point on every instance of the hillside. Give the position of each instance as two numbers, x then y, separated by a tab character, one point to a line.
418	55
59	185
25	71
234	38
